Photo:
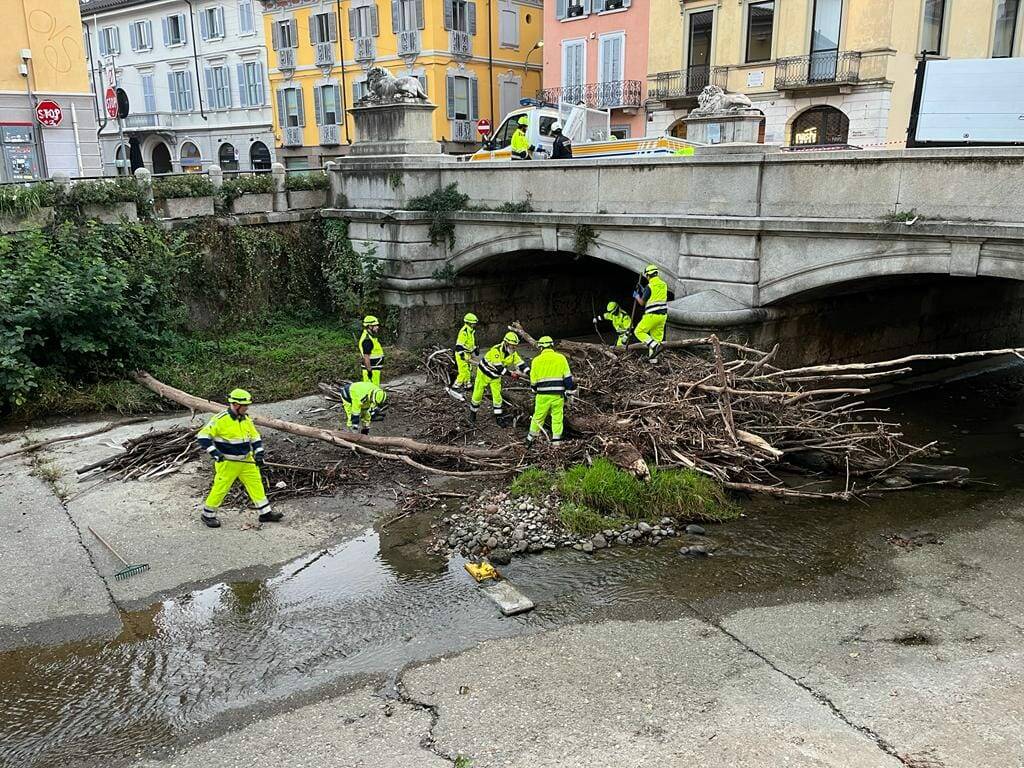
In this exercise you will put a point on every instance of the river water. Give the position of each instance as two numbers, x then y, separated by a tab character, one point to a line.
377	603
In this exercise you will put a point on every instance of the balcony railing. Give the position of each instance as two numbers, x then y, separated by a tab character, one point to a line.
686	83
365	49
324	54
329	135
610	95
149	120
460	43
292	136
462	130
408	42
824	68
286	58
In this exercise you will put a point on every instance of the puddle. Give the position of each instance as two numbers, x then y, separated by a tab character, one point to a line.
376	603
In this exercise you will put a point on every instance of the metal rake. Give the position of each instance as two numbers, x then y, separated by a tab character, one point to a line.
130	569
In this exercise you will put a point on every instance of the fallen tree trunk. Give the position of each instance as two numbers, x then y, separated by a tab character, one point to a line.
344	439
67	438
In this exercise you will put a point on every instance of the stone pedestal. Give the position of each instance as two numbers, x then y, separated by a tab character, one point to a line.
724	128
398	128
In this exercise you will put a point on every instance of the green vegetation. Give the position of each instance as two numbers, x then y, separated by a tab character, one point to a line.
257	184
523	206
441	204
902	217
461	761
185	185
533	483
120	190
583	237
352	278
19	200
300	182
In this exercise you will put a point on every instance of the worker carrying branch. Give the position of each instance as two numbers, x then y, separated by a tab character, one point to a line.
621	322
371	351
652	295
500	359
552	382
465	350
363	402
232	441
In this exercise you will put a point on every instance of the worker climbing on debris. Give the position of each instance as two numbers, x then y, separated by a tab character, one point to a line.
654	299
552	382
621	322
521	146
231	439
500	359
364	402
465	350
371	350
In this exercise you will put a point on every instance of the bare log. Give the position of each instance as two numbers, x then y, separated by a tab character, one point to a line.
67	438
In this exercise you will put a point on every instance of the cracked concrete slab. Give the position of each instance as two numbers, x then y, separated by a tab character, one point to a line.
631	694
51	590
356	730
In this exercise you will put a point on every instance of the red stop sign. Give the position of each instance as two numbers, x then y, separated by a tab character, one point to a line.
483	126
110	102
49	113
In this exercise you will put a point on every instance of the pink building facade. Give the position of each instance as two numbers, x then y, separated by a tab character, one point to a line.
595	51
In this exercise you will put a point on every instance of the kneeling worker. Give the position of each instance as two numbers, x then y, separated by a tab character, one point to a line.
500	359
363	402
231	439
551	380
621	322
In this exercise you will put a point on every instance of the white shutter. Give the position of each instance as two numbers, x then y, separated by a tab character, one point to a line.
204	27
353	20
472	18
374	27
211	88
396	17
311	23
586	7
175	106
451	93
184	29
261	99
243	89
598	6
449	14
101	38
560	8
275	36
420	24
332	26
474	108
294	24
189	92
318	107
227	86
221	26
339	114
117	40
133	36
167	31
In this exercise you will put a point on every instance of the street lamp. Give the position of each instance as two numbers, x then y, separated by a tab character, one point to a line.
526	61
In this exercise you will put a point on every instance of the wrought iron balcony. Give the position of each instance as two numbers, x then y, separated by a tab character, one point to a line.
139	120
292	136
611	95
824	68
286	58
324	54
686	83
462	130
365	49
330	135
408	42
460	43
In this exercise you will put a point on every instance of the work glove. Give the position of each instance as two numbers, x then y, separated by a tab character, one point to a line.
597	320
636	295
258	459
217	455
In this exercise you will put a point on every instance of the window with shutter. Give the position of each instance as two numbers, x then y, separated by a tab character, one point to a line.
204	25
396	17
211	89
246	19
508	27
560	8
419	15
471	24
374	27
282	113
573	61
352	21
133	36
449	14
256	96
172	89
318	114
148	94
332	27
450	87
474	100
243	85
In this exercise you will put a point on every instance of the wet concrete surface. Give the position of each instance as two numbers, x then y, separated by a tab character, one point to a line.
766	627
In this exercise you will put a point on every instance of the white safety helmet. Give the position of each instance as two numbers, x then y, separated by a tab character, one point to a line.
556	126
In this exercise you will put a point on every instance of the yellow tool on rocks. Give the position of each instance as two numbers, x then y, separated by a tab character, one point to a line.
509	599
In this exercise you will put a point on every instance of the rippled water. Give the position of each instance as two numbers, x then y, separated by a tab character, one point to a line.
373	605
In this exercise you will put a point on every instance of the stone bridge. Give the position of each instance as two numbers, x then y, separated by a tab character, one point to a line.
885	250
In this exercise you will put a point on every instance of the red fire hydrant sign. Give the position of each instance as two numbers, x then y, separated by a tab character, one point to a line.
49	113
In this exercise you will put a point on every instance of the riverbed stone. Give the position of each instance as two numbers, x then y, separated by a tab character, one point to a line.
500	557
599	541
695	530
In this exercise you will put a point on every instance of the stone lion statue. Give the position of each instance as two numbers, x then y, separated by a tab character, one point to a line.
385	87
713	100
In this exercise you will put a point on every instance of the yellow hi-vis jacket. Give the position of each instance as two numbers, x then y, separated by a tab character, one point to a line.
656	297
520	143
497	362
620	321
358	395
370	345
465	344
550	374
234	436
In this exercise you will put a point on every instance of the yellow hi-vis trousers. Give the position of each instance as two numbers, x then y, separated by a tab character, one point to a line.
651	328
482	382
225	474
374	376
542	406
462	366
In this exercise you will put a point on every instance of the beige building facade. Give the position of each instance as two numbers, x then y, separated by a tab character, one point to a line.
823	72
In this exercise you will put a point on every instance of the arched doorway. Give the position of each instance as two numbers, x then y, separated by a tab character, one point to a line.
189	158
259	156
677	129
227	157
161	158
821	125
120	164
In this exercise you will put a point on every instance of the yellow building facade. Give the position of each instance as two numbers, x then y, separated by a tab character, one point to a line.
42	58
823	72
475	59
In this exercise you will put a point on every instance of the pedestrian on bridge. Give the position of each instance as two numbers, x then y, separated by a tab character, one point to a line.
363	402
552	382
621	322
653	297
236	448
465	350
371	350
500	359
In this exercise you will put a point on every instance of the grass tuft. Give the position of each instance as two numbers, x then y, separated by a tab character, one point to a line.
532	483
584	521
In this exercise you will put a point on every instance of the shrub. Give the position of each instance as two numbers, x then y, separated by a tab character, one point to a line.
441	203
353	278
257	184
185	185
121	190
533	483
300	182
19	200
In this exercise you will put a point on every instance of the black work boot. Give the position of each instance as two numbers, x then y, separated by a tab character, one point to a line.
271	517
471	416
211	521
